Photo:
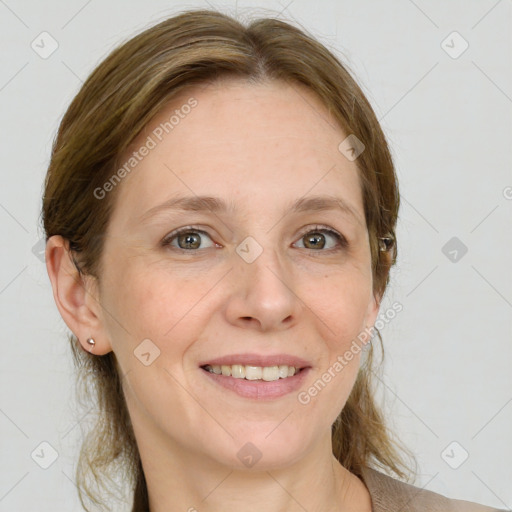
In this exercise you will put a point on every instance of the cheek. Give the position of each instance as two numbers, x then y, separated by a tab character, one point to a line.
172	308
341	303
146	304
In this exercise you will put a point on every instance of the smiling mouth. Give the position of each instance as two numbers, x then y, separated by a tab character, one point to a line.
249	372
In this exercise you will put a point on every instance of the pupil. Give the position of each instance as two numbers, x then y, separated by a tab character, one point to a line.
189	239
316	237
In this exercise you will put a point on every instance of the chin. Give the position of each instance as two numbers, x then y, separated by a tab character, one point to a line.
264	449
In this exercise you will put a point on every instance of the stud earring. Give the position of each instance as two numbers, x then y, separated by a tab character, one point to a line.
91	342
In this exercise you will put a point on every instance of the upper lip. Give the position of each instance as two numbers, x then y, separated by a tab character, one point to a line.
258	360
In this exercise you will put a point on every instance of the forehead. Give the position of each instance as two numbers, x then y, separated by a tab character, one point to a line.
266	142
231	109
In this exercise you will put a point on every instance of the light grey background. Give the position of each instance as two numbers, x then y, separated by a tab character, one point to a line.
447	374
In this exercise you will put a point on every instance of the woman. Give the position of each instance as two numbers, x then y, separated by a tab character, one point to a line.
220	213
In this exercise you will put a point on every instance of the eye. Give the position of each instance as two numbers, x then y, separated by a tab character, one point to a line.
315	239
187	238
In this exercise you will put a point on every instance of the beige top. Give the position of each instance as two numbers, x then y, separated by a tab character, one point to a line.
391	495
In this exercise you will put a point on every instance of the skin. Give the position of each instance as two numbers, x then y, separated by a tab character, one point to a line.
261	147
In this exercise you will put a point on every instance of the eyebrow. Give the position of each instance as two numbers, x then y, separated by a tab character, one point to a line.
218	205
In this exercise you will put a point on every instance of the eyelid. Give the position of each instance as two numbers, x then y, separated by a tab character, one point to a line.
342	241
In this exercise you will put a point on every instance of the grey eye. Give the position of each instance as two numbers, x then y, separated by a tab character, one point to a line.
187	239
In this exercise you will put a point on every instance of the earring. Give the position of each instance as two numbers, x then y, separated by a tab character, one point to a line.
91	343
386	243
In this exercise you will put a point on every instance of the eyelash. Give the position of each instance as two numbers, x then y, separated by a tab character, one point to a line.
342	241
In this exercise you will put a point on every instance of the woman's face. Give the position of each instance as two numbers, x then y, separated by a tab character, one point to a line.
254	282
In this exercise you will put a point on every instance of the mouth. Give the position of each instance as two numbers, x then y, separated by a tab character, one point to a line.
258	383
250	372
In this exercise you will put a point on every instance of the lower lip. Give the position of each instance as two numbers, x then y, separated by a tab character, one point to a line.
259	389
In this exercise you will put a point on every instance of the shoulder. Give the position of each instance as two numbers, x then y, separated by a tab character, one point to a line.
389	494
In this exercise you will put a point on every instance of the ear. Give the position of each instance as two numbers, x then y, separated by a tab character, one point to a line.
76	296
386	259
373	309
371	317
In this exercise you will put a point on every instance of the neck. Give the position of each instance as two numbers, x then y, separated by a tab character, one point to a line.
183	480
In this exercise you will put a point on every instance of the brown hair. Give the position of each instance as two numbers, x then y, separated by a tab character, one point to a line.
115	103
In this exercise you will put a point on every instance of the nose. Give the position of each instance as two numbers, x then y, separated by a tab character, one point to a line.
263	295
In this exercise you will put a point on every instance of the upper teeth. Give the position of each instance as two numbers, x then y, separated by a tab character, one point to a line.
267	373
